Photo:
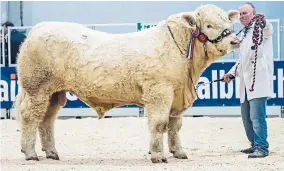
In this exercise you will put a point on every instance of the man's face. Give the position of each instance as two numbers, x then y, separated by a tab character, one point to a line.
246	14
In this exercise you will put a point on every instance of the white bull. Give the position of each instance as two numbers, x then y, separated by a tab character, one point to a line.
148	68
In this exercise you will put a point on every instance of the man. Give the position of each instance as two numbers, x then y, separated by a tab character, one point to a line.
254	95
16	40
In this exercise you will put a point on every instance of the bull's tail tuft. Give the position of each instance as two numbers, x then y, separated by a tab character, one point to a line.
16	105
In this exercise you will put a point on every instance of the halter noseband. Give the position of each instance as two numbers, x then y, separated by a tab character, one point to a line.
224	34
203	39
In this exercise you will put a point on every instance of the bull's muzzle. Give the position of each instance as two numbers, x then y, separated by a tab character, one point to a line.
235	43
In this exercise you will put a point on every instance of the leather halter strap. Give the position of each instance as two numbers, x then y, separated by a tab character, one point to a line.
202	38
194	34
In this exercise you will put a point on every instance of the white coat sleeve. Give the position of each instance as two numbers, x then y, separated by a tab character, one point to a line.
234	69
267	30
269	55
268	46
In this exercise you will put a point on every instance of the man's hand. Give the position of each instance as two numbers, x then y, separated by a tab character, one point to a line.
226	78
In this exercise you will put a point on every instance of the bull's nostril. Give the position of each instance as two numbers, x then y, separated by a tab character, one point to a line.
234	42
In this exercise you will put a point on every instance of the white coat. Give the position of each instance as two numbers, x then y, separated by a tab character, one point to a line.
244	67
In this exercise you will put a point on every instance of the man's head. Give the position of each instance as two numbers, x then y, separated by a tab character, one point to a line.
247	12
6	25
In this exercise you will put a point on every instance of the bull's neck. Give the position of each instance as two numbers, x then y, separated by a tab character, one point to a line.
197	62
181	36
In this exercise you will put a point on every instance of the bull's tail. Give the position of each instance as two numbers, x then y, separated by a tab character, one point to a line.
16	105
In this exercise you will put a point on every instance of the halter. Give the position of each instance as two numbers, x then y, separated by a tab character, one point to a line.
203	39
224	34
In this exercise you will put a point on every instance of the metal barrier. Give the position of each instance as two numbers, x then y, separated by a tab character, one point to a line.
2	47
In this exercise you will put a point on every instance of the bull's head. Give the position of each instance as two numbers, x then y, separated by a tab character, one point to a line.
216	25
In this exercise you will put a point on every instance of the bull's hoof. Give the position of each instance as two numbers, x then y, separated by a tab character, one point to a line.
52	155
149	152
164	160
157	160
181	155
32	158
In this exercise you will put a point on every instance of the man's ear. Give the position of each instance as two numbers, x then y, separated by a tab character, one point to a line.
188	20
233	15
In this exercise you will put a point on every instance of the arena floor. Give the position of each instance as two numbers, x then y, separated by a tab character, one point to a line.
212	144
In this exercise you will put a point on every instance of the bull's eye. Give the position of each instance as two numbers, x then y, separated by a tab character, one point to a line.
209	26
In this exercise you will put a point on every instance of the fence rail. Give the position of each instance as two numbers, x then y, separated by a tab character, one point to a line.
94	26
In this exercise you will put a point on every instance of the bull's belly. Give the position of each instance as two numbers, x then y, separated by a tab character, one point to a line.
108	93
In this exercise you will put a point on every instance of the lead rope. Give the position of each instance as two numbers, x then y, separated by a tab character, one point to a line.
190	51
174	38
203	39
195	34
259	24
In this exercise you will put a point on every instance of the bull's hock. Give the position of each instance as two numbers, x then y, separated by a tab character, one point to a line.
149	68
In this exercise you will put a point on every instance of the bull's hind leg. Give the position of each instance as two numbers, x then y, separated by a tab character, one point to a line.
32	111
175	147
47	125
158	103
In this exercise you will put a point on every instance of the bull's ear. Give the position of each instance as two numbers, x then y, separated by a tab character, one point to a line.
233	15
188	20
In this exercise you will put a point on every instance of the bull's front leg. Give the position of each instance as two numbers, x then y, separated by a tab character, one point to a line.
158	101
175	147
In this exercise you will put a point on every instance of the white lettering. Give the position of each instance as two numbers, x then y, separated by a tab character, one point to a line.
13	90
223	93
4	90
237	83
204	90
214	85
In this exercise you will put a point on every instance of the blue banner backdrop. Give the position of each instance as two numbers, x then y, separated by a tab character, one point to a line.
216	94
